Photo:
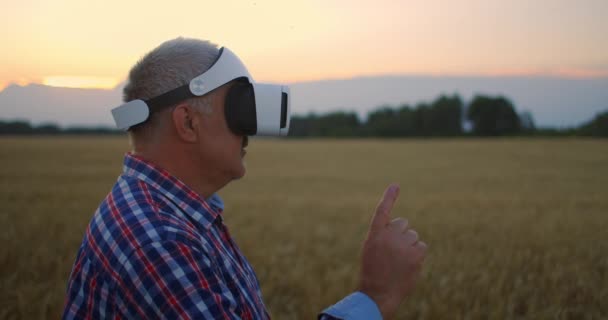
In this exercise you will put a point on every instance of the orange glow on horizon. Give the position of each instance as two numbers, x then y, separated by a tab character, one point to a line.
80	82
88	82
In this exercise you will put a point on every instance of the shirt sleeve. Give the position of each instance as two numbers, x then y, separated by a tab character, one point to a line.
356	306
173	280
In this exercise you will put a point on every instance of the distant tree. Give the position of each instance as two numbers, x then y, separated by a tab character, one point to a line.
339	124
493	116
422	120
446	116
15	127
92	130
335	124
597	127
383	122
48	128
301	126
21	127
407	126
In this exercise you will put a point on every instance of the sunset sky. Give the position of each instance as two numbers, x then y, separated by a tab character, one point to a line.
94	43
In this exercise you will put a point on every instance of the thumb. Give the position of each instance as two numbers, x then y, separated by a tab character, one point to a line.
382	216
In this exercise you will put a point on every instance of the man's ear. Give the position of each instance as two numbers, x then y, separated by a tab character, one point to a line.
186	122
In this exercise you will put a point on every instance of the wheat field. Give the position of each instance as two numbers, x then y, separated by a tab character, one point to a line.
517	228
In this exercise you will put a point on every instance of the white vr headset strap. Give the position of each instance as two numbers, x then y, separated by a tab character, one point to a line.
227	68
131	113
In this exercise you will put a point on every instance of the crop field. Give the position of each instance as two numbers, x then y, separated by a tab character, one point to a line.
517	228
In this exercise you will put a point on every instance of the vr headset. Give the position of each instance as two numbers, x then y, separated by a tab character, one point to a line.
250	108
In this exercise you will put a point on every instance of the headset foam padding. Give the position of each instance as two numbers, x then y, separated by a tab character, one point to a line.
239	109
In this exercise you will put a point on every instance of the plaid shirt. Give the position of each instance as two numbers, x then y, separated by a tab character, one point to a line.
156	249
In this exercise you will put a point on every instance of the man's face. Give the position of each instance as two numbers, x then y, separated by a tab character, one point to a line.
221	150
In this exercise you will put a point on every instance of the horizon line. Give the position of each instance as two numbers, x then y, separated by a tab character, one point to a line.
513	74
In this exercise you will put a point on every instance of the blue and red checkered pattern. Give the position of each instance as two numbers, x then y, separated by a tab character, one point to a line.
156	249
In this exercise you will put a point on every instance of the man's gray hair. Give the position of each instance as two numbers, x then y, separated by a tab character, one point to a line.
171	65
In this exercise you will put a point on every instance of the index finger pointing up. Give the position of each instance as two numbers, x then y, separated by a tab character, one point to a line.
382	216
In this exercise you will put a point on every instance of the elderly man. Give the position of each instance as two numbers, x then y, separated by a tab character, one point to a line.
157	247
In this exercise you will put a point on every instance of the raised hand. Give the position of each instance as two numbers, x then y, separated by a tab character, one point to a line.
392	257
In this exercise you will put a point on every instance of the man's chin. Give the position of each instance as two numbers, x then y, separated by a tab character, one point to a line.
241	172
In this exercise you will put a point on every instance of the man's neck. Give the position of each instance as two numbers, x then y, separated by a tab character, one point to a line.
183	167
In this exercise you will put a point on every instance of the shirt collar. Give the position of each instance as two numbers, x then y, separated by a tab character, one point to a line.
204	211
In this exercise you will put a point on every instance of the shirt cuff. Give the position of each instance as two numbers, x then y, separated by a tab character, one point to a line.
356	306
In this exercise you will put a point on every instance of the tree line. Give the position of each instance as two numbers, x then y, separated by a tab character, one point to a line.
446	116
23	127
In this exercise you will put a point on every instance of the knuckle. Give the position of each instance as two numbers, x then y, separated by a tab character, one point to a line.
404	221
411	236
422	247
399	222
